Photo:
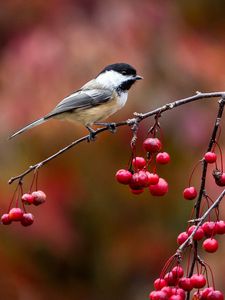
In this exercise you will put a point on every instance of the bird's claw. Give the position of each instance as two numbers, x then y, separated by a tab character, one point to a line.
110	126
92	134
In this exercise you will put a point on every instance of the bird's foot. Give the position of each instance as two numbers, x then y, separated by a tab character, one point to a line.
92	134
111	126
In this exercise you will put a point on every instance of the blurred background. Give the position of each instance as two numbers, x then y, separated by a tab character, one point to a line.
93	239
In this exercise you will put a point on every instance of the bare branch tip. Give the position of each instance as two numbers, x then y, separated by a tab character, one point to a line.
198	93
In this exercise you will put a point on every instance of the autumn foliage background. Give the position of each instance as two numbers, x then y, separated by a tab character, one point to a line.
93	239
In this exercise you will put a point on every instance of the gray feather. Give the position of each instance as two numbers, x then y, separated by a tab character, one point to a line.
81	99
33	124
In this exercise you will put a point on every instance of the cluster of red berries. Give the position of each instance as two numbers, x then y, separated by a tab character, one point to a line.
190	193
138	177
208	229
173	286
18	214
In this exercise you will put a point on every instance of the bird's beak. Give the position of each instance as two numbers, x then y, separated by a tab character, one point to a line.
137	77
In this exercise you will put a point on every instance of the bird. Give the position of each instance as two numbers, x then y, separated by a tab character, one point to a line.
96	100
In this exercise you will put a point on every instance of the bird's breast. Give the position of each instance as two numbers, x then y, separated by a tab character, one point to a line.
88	116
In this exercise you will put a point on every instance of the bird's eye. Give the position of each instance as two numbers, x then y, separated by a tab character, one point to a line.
124	72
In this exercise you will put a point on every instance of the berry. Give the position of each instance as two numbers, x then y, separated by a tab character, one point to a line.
158	295
162	158
209	228
205	293
170	279
210	157
197	295
167	290
219	177
210	245
15	214
182	238
137	191
220	227
5	219
199	234
39	197
153	178
178	271
159	283
27	219
138	162
215	295
190	193
198	281
159	189
185	283
176	297
179	291
27	199
140	179
123	176
152	145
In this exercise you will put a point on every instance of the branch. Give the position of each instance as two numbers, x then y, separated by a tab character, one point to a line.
200	222
203	179
137	119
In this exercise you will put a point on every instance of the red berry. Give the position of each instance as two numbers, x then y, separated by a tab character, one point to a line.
178	271
27	199
199	234
182	238
185	283
123	176
209	228
159	283
219	178
210	245
39	197
179	291
197	295
152	145
27	219
138	162
215	295
158	295
153	178
176	297
162	158
190	193
140	179
210	157
15	214
198	281
170	279
167	290
220	227
205	293
137	191
159	189
5	219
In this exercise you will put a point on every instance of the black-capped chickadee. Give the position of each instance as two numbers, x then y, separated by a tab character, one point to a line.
96	100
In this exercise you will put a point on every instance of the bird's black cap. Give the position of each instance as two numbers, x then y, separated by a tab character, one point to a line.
121	68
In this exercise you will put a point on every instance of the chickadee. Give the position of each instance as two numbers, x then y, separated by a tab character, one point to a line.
96	100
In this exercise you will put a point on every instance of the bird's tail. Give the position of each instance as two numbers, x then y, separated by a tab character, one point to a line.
35	123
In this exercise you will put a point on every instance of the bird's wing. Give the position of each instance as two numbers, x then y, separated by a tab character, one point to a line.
81	99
